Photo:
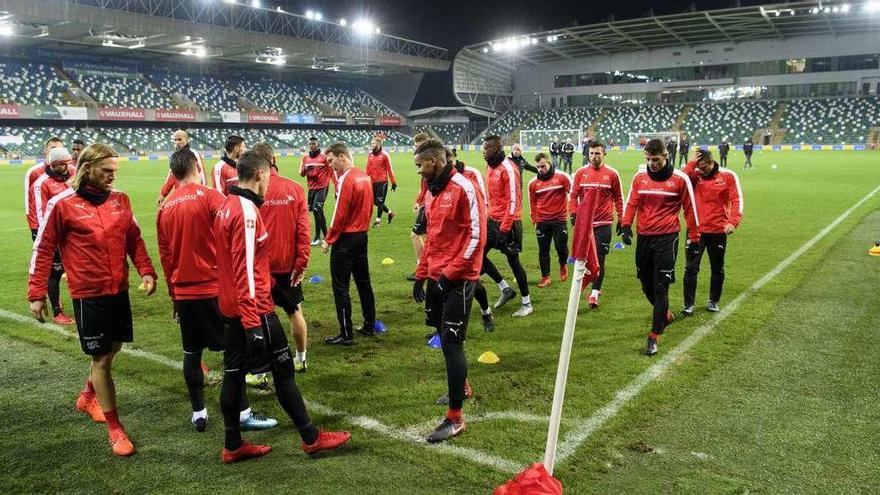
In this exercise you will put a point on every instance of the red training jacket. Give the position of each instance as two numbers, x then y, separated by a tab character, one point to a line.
243	267
354	205
547	198
317	171
719	198
224	175
286	216
45	188
505	194
171	181
423	192
609	193
477	177
657	204
456	232
379	167
93	240
186	241
30	176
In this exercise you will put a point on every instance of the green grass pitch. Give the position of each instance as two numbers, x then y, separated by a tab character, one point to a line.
780	396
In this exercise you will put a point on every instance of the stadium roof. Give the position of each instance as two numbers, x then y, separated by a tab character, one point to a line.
231	32
776	21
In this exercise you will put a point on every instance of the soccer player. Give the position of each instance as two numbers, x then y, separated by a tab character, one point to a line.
223	175
380	172
286	216
748	149
181	141
255	340
547	202
609	198
504	230
76	148
348	236
318	174
684	147
33	207
189	260
451	263
94	227
655	198
567	153
720	208
671	149
555	149
517	157
723	150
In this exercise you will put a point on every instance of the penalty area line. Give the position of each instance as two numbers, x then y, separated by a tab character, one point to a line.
583	430
365	422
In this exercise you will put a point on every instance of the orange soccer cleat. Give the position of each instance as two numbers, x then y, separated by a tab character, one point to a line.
327	440
89	404
62	319
545	282
120	443
245	451
563	273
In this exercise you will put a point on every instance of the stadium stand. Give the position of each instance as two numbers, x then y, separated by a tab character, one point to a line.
509	122
448	133
710	123
839	120
139	140
274	96
620	121
120	91
565	118
208	93
35	137
342	100
28	83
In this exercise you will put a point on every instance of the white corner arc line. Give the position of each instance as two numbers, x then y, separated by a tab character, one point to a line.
365	422
584	429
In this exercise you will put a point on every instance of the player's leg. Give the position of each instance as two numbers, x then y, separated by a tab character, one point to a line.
341	265
453	333
513	248
290	299
544	234
560	241
693	259
420	228
379	190
716	245
54	291
361	274
300	332
602	236
482	298
492	242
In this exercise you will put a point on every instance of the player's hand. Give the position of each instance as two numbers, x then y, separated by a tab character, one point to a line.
296	278
148	284
256	341
39	310
160	200
626	234
729	229
415	207
418	291
692	248
393	187
175	311
325	247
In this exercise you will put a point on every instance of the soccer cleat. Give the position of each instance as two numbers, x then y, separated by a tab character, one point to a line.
339	340
366	331
245	451
327	440
300	366
316	242
119	443
391	216
688	311
506	295
377	222
545	282
256	422
446	430
713	307
488	323
523	311
62	319
443	400
260	380
90	406
594	301
651	347
200	423
563	273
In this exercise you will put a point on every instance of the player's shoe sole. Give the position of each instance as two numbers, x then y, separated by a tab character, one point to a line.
446	430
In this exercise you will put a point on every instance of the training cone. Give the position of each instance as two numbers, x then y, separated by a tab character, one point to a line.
379	327
434	341
387	261
875	251
316	279
488	357
618	245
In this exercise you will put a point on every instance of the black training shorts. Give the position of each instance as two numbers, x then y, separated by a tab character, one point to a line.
449	309
512	244
316	198
237	357
284	296
201	324
655	257
101	321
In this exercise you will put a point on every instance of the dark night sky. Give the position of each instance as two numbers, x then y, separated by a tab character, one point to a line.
453	24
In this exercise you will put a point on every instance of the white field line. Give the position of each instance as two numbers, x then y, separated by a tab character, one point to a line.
578	435
364	422
520	417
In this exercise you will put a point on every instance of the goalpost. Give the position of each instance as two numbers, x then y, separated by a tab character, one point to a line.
636	138
543	137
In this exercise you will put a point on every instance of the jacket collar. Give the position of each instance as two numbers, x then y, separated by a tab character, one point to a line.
247	193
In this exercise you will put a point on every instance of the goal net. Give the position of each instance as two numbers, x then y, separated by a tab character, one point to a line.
640	138
543	137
